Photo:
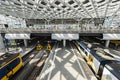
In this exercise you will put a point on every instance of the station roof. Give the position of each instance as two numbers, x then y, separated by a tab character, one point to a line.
60	9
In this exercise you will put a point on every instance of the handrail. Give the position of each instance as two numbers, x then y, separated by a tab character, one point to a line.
37	30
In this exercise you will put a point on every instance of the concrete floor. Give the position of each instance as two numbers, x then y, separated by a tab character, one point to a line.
22	53
63	66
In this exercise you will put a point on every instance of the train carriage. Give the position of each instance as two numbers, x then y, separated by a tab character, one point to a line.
39	47
115	42
111	71
96	59
9	65
48	47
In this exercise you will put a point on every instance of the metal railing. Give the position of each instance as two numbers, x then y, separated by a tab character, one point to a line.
59	30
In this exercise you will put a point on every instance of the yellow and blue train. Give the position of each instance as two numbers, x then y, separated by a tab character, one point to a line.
9	65
48	47
115	42
103	64
39	47
111	71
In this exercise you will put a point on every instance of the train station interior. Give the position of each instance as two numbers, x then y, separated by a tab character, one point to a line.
59	39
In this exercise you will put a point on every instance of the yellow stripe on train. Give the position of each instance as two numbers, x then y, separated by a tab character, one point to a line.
115	41
39	47
14	70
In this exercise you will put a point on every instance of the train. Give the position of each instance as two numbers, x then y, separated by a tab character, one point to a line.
39	47
98	60
48	47
115	42
111	71
9	65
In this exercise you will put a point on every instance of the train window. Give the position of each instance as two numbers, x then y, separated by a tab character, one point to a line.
85	52
9	67
81	48
14	63
2	72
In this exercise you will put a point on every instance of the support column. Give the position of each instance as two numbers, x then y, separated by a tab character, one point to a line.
107	43
1	42
48	24
78	20
78	24
64	42
45	25
25	42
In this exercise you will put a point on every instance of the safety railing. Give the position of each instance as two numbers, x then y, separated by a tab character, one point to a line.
58	30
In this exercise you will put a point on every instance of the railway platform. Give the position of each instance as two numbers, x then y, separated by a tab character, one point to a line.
23	51
65	63
95	45
2	51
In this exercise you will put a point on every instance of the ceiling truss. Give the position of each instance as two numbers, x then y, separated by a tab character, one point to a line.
60	9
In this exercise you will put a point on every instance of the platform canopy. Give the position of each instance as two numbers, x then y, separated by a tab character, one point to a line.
50	9
56	36
17	36
111	36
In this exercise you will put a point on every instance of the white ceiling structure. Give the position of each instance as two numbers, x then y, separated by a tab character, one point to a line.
60	9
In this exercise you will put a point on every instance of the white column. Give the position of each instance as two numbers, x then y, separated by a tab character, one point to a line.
1	42
64	42
25	42
107	43
78	25
45	25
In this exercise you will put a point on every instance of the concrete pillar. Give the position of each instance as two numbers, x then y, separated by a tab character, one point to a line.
64	42
1	42
48	24
78	25
45	25
25	42
107	43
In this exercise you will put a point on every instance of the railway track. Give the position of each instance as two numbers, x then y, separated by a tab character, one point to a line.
37	67
28	67
65	63
28	57
48	59
33	63
84	68
80	67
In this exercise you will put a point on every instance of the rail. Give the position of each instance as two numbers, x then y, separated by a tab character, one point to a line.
52	54
87	73
29	65
83	72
